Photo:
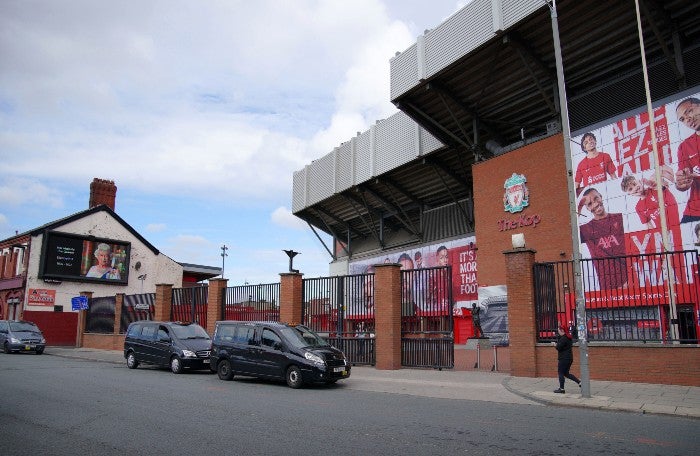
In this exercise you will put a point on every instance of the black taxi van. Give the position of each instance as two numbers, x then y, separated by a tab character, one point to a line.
176	345
277	351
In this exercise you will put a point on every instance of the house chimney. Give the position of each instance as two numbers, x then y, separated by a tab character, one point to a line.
102	191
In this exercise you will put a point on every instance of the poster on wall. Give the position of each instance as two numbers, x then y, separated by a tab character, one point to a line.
619	202
460	254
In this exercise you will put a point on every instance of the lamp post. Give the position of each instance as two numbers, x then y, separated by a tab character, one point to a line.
659	185
223	259
580	301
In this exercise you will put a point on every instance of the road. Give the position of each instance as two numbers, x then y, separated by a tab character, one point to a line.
56	406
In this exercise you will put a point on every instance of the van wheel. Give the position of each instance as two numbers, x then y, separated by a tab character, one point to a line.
6	348
294	379
224	370
131	362
175	365
40	351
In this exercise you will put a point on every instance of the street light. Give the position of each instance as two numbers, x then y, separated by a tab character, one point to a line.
223	259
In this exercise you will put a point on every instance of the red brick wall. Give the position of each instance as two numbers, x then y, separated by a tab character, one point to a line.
662	364
544	166
104	341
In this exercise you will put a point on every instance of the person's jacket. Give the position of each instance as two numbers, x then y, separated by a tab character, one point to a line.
564	345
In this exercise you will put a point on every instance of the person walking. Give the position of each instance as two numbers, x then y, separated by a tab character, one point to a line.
565	358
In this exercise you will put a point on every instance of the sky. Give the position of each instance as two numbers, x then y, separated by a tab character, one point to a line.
200	112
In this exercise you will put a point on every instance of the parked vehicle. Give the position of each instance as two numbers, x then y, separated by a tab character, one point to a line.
21	336
168	344
278	351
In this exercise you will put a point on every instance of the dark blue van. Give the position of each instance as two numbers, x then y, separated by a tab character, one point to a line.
278	351
168	344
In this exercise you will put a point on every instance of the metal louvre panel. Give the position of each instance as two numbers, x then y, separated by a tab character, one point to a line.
320	179
363	158
428	142
396	143
299	190
344	172
515	10
466	30
403	72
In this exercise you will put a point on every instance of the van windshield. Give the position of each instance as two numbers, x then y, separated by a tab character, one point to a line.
23	326
189	332
303	337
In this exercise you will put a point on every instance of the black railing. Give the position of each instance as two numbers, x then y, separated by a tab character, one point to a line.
252	302
341	308
648	298
427	338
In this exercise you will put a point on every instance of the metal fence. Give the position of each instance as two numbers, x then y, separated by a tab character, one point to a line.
648	298
190	304
427	338
341	308
252	302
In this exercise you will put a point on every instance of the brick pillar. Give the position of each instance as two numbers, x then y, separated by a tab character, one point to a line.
387	311
3	264
217	296
81	321
290	297
118	302
521	312
164	301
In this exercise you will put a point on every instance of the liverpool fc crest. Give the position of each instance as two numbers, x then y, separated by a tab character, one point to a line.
516	196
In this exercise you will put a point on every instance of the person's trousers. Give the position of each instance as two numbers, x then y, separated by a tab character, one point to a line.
563	369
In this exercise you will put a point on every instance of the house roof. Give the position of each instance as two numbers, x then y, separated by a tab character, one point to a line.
82	214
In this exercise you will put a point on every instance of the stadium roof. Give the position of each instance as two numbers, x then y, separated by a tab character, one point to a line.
484	82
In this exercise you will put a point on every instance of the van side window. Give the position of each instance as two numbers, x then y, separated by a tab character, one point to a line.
270	339
225	333
245	335
134	330
3	326
148	332
162	333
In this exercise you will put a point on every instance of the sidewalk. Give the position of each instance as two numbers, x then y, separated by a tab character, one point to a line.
489	386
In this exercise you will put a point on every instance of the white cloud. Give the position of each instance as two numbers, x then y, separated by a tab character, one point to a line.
284	218
18	191
216	103
156	227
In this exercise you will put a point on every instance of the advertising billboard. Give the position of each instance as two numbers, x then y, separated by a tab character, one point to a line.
67	256
619	199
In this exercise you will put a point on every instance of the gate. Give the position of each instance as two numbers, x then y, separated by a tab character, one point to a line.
341	309
427	338
252	302
190	304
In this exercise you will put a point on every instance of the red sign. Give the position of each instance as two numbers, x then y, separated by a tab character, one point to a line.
41	297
